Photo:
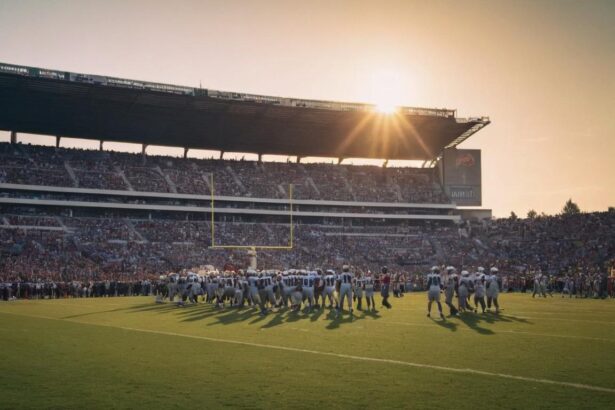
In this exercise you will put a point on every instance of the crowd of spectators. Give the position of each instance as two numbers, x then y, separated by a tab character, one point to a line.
551	243
39	165
122	249
50	289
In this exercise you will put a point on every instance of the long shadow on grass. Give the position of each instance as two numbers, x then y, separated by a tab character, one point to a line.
189	312
234	316
230	315
473	321
345	318
158	307
151	307
92	313
506	318
314	316
445	324
224	316
278	319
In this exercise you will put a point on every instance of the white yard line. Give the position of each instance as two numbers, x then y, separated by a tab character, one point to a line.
343	356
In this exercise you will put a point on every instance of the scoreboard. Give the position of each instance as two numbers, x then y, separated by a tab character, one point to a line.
461	176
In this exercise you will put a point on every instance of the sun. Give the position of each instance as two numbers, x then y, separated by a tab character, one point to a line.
385	91
386	107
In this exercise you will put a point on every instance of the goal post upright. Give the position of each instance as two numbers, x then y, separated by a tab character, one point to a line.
211	189
290	202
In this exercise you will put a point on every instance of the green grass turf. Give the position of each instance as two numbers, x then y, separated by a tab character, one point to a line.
94	353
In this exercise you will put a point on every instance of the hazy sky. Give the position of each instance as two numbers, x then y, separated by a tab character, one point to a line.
544	71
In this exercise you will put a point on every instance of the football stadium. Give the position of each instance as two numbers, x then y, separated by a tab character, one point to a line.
235	279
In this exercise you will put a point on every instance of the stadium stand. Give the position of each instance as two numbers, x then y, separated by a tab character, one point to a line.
35	165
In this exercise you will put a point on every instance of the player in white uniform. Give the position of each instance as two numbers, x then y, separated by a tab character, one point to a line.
182	289
211	285
463	292
307	288
537	285
345	281
172	286
269	285
450	284
265	292
472	282
296	295
329	292
240	286
479	290
493	290
434	286
220	282
369	291
359	283
287	288
194	287
253	290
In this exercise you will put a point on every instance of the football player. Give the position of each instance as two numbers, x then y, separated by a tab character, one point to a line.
308	280
493	290
434	284
359	283
537	285
449	289
463	292
330	280
369	291
345	283
479	290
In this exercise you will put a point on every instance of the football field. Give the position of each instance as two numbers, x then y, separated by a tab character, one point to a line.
133	353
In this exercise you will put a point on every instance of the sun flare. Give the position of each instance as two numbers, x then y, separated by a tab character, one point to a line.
386	107
385	91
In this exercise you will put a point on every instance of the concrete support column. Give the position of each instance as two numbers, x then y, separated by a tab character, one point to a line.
13	137
143	154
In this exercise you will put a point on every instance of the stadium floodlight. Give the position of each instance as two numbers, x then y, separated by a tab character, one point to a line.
288	246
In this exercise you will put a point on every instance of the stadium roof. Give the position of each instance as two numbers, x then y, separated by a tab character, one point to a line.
51	102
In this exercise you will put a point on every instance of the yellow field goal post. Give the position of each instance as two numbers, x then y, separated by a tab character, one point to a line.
289	246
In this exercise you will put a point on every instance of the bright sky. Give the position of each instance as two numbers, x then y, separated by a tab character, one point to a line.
544	71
